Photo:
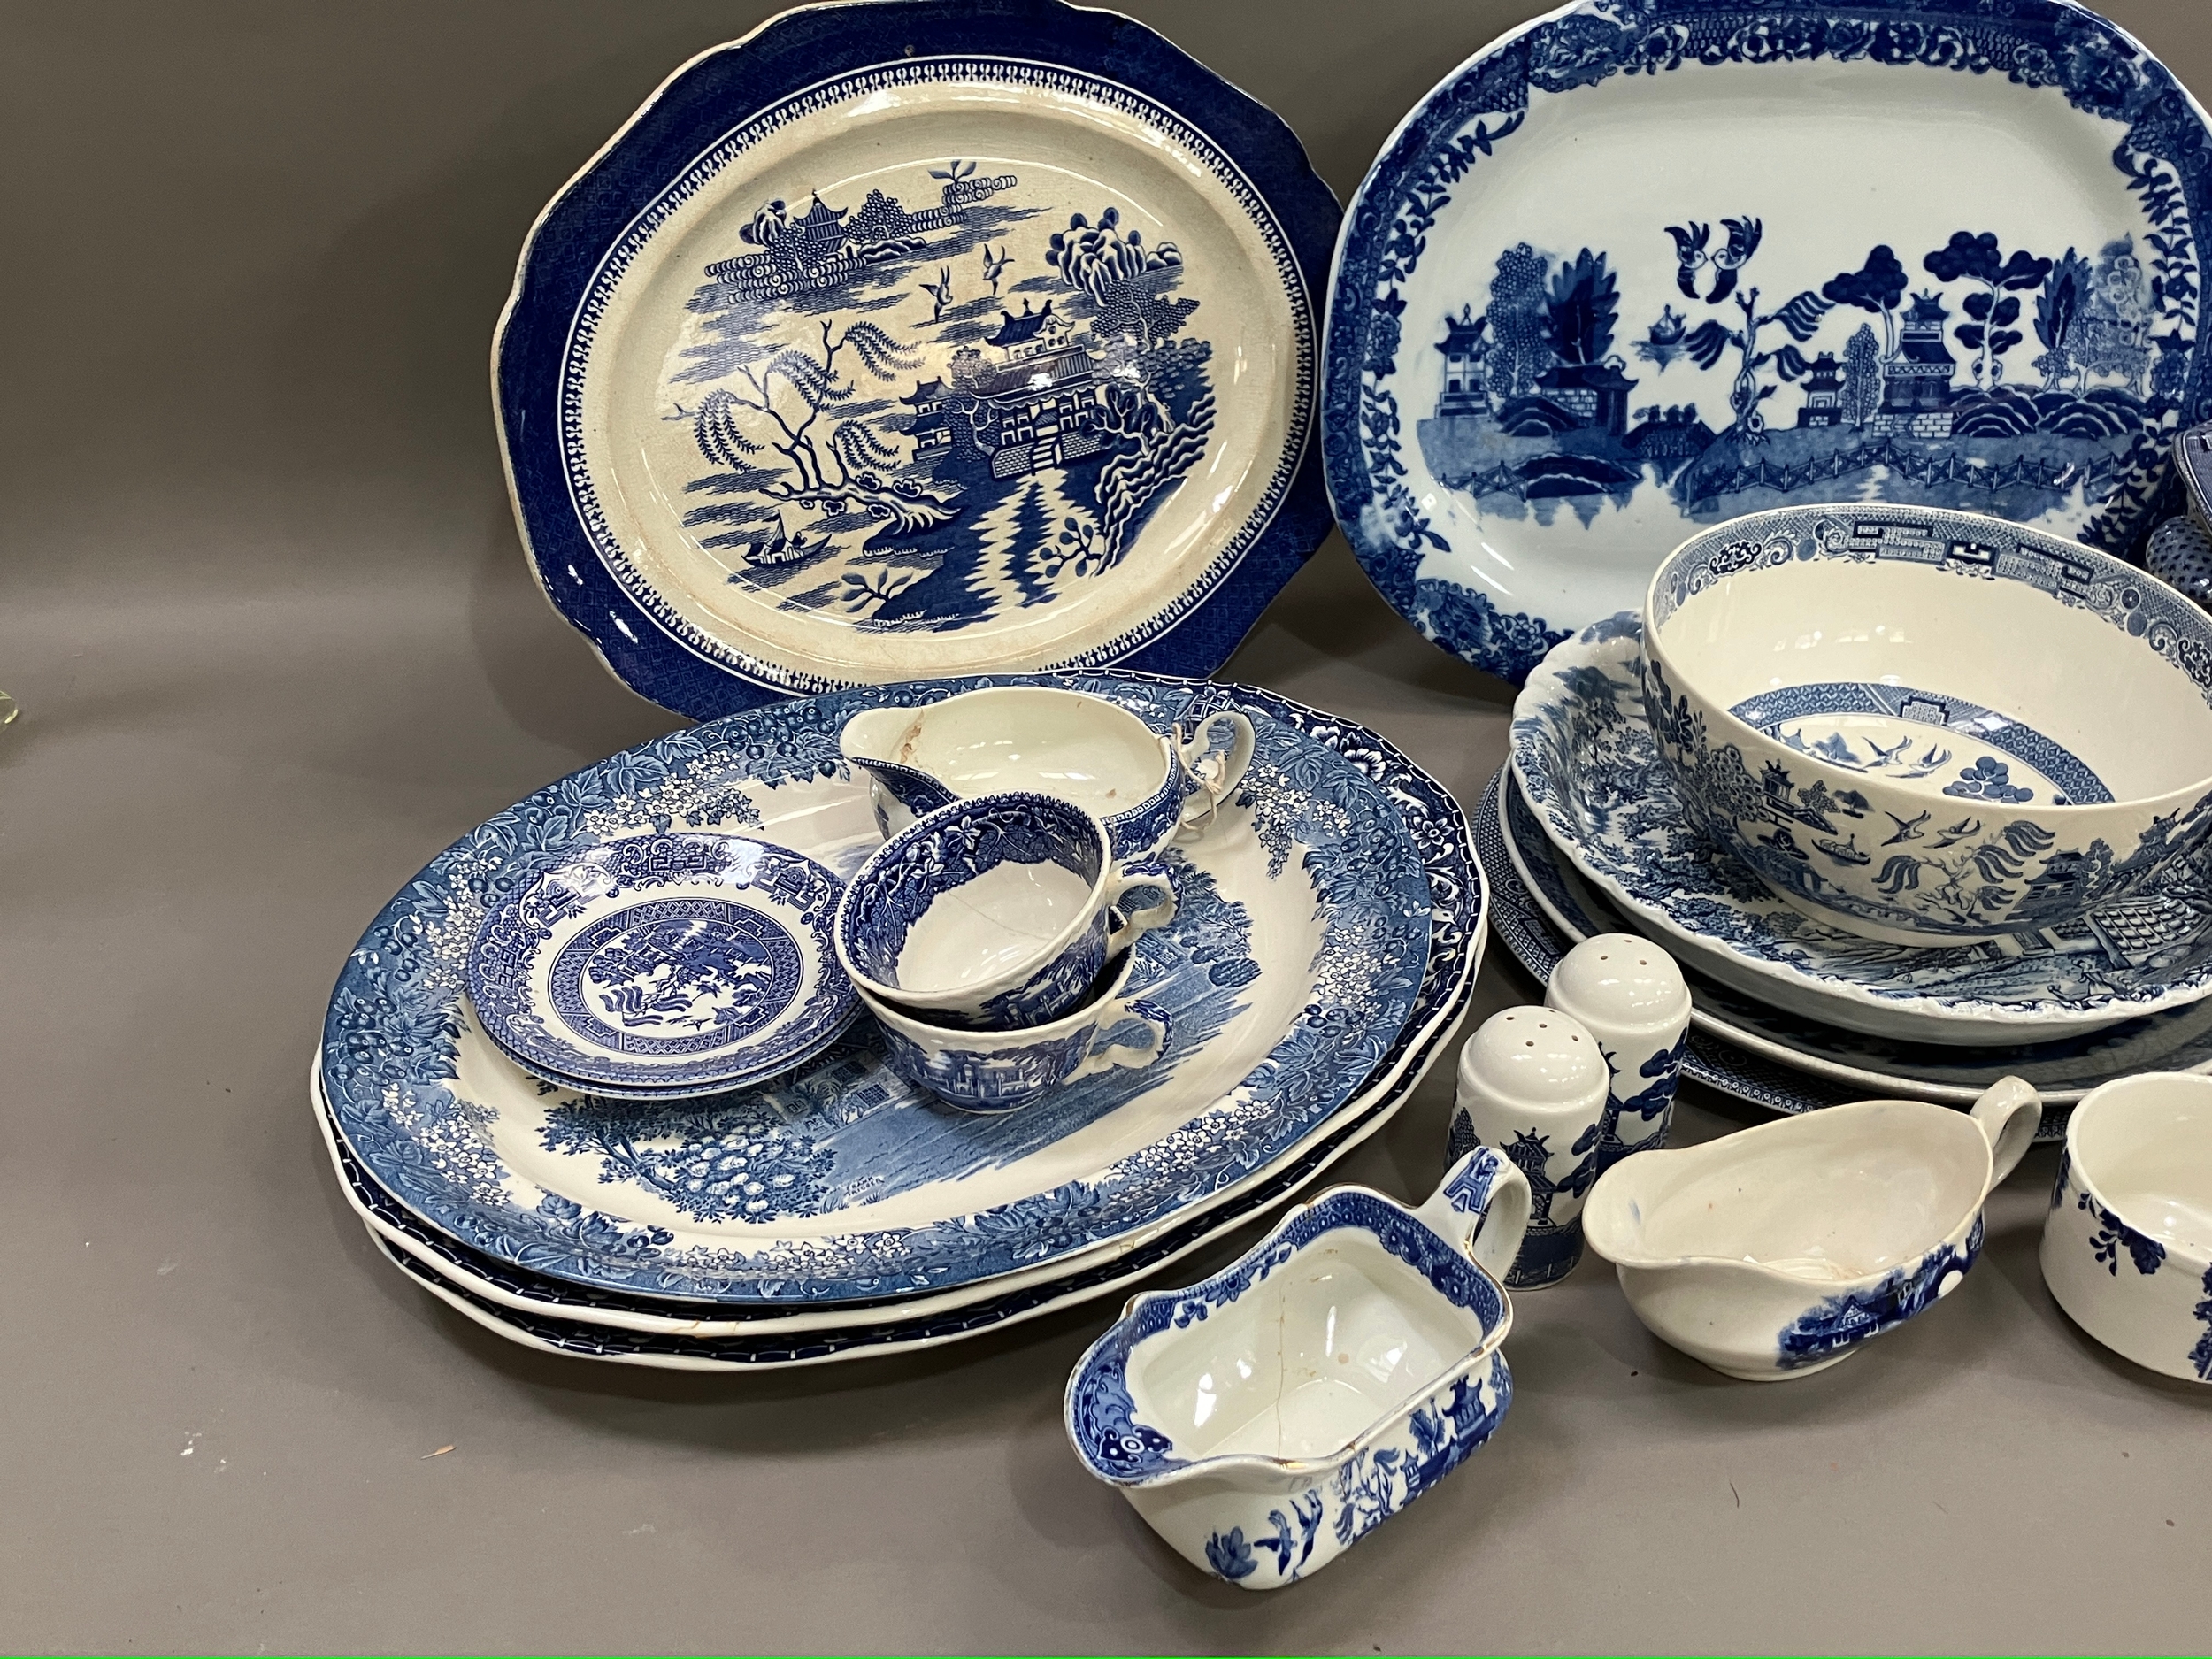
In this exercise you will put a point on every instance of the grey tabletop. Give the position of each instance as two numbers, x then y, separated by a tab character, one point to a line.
276	644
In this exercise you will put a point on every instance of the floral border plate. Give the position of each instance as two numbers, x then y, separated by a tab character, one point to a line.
1531	939
749	1197
1589	767
1640	266
2062	1071
920	336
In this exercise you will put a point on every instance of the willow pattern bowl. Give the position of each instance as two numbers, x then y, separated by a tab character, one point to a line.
2127	1247
1926	726
1778	1251
1266	1420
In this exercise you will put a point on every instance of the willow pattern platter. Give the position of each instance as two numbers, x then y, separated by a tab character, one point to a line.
1640	266
2061	1073
1757	1078
552	1317
921	336
1298	952
1587	761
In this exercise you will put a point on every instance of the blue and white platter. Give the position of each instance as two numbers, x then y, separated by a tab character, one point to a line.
674	964
2062	1071
1760	1075
547	1315
1586	762
1640	266
1310	930
921	336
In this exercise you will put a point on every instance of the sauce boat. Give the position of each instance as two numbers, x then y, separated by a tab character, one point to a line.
1776	1251
1266	1420
1145	786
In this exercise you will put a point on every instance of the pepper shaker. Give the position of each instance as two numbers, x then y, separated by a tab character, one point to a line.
1629	995
1533	1085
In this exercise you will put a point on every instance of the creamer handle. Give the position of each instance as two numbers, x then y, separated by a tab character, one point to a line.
2009	1113
1482	1205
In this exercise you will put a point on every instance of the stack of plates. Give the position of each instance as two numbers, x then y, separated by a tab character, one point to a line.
1792	1014
1327	938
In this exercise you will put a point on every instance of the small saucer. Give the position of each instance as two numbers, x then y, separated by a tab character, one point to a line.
669	965
1587	764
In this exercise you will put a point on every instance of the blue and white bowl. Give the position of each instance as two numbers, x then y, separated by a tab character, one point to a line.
1003	1071
993	913
1266	1420
1926	726
669	965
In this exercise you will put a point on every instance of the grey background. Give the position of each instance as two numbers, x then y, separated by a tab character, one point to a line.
267	615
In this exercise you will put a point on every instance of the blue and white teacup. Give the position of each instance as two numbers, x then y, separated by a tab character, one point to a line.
1145	787
1002	1071
993	913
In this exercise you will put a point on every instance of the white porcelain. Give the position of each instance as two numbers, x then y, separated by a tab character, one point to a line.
2127	1246
1638	265
1776	1251
995	912
1265	1420
1000	1070
1931	728
1630	995
1588	763
1145	786
1533	1085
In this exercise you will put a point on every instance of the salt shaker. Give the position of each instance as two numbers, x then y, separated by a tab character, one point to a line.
1629	995
1533	1085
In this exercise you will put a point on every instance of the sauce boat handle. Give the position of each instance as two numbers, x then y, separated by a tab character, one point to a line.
2008	1114
1482	1205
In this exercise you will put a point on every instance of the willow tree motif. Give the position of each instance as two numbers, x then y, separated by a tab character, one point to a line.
1994	307
1712	338
778	405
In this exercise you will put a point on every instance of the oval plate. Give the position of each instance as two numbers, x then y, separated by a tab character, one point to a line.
1635	268
1297	955
920	337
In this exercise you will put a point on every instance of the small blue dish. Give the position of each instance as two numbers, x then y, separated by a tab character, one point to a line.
993	913
676	964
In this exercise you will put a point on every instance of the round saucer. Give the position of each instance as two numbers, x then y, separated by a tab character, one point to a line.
1587	764
664	965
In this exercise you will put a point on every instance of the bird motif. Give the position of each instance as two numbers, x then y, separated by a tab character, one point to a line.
994	265
1908	828
1956	834
940	291
1692	255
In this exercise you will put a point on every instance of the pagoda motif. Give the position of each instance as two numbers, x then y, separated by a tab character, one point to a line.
1824	392
1916	392
1466	392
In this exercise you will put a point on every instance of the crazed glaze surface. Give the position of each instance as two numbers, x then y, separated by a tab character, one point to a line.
1643	265
869	349
1265	1421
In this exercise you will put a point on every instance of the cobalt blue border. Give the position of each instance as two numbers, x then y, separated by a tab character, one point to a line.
2100	69
730	85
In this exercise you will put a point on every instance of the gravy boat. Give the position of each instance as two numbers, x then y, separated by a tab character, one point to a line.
1144	786
1775	1252
1266	1420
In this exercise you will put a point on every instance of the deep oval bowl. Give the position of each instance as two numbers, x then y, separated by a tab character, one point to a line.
2127	1245
1932	726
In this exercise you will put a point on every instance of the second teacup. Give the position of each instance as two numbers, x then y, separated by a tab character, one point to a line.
993	913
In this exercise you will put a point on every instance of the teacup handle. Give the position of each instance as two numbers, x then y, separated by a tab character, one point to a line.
2009	1112
1482	1205
1215	775
1132	877
1127	1054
